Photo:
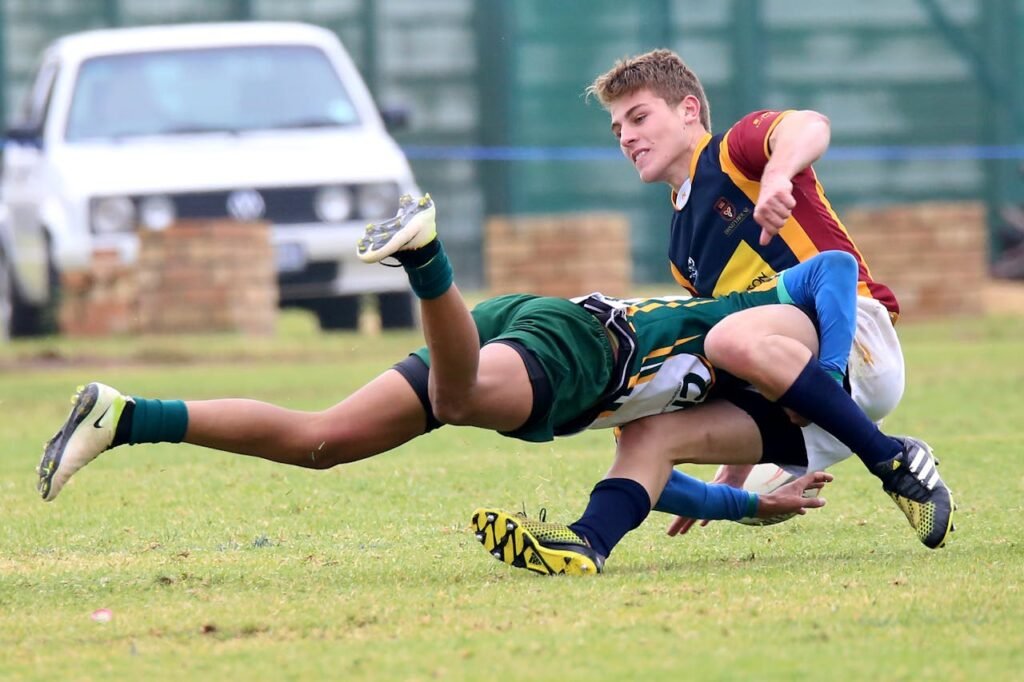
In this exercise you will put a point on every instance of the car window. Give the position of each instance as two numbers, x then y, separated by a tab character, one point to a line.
222	89
36	103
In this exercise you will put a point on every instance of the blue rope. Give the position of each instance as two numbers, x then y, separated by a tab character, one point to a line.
867	153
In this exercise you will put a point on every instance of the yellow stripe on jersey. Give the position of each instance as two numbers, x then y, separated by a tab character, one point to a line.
744	271
643	377
703	142
662	352
653	305
771	129
749	187
862	286
681	280
647	373
792	232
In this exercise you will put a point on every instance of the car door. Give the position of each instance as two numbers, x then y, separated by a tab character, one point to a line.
24	183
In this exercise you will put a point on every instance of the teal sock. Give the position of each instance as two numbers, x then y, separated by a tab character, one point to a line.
157	421
430	273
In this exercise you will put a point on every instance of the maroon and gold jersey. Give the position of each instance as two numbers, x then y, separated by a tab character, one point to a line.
714	248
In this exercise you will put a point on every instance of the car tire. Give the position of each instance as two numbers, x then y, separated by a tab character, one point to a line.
17	317
6	300
340	313
397	310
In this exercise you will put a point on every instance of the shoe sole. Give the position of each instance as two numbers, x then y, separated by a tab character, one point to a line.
399	240
950	528
952	503
506	540
84	400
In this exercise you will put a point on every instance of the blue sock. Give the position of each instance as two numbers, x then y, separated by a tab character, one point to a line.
686	496
816	396
617	506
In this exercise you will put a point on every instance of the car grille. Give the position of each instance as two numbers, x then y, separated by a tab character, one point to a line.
313	273
278	205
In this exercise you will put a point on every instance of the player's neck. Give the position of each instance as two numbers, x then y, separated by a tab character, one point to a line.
682	167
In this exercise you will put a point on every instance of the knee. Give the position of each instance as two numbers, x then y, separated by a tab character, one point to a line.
325	445
735	353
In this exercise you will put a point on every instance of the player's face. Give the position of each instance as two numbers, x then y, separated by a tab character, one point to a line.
653	136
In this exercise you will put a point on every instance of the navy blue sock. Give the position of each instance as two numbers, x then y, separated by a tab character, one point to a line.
816	396
617	506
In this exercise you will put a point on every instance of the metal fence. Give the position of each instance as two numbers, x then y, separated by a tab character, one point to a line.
924	95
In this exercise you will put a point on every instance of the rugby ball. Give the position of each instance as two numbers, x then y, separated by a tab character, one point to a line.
766	478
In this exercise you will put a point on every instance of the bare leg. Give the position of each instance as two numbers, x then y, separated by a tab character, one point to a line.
767	346
378	417
717	432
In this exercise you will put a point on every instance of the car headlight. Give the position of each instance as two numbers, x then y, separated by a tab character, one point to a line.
112	214
157	212
379	200
333	204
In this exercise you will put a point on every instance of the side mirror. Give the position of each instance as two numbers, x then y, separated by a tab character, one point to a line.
24	135
395	118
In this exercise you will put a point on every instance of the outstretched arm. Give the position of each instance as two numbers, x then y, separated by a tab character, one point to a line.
693	498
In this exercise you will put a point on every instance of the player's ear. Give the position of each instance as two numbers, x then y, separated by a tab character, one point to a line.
689	108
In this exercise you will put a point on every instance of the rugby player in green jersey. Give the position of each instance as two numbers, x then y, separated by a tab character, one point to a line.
529	367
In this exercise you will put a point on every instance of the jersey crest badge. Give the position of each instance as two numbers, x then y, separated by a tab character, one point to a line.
725	208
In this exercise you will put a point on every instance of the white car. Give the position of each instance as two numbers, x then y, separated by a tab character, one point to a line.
133	129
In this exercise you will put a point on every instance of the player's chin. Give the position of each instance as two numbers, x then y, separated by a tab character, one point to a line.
648	174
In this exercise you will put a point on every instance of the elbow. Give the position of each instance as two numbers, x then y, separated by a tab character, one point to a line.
823	128
451	410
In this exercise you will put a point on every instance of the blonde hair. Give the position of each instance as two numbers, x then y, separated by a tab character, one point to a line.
662	72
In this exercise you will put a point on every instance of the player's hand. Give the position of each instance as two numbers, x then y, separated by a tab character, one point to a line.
730	474
774	205
681	525
789	499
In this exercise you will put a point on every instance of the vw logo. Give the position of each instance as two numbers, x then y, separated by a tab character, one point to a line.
246	204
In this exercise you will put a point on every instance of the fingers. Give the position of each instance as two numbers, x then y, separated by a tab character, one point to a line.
772	212
681	525
816	479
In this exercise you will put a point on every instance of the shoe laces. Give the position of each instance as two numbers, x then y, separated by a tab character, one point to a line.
542	515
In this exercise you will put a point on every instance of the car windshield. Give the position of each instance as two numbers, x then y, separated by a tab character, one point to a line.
232	89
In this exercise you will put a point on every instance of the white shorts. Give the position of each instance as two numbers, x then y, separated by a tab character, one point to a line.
876	382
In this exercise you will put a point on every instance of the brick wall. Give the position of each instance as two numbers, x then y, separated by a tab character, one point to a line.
558	255
932	255
200	276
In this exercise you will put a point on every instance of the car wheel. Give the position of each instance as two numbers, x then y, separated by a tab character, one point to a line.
17	317
6	300
337	313
397	310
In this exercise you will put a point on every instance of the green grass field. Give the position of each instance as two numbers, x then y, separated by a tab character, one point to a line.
216	566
